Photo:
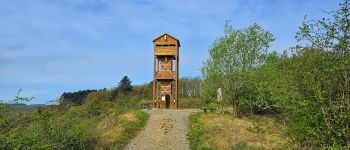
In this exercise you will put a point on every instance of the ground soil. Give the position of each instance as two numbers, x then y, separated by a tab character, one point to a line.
166	129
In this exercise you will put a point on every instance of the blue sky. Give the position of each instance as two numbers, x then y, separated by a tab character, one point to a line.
48	47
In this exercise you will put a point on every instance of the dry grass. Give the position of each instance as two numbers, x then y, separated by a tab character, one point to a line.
106	122
116	131
226	132
110	131
109	137
130	117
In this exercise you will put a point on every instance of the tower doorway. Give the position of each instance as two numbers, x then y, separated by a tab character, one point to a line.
167	101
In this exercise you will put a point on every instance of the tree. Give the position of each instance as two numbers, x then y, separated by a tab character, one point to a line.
331	34
321	114
124	86
230	58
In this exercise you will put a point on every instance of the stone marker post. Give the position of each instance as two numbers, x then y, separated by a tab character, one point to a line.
219	99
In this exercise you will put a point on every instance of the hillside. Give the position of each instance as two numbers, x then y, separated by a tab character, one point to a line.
97	123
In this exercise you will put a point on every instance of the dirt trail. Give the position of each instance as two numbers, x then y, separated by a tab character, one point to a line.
166	129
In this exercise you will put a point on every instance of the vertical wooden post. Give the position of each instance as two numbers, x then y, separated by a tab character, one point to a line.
177	81
154	82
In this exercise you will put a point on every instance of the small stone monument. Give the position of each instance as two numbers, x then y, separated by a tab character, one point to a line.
219	95
219	99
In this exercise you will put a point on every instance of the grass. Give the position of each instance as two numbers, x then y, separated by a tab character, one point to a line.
213	131
117	131
196	132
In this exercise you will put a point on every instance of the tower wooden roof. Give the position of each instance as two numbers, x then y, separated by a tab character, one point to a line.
166	34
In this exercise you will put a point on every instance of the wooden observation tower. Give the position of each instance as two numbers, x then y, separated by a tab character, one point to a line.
166	71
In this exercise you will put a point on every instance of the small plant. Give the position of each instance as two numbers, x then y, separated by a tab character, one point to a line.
243	146
257	128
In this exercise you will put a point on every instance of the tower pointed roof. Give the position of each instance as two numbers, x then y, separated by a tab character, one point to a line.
166	34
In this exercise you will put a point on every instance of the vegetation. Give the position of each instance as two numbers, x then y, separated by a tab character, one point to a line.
190	87
144	90
231	57
215	131
96	122
76	98
189	92
309	88
190	103
124	86
86	119
118	135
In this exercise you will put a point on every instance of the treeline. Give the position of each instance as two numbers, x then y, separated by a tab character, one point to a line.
75	97
123	89
309	87
189	87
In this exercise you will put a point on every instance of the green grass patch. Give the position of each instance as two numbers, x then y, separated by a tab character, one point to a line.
130	129
196	133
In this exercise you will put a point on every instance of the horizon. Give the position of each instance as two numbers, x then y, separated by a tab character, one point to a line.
51	47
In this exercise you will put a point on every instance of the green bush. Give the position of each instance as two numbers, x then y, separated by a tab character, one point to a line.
132	101
43	130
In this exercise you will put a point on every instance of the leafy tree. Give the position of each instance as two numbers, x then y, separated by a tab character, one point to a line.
124	86
266	84
231	57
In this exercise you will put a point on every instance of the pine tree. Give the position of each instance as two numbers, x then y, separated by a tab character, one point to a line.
124	86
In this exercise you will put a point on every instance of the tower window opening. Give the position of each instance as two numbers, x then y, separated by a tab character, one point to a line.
173	65
165	45
158	65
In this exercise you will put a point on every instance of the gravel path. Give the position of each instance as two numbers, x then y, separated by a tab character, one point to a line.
166	129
